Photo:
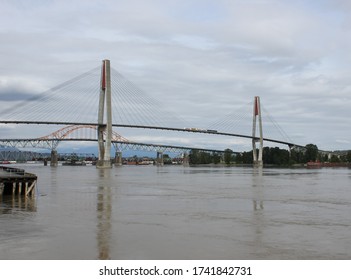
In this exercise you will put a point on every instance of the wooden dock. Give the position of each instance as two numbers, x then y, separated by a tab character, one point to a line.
15	181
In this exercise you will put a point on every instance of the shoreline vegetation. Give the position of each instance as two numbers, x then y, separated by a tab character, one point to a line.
297	165
310	156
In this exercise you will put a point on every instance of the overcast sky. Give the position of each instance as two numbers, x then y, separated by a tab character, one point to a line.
204	58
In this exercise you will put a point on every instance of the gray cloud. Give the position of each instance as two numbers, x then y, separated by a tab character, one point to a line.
14	95
12	89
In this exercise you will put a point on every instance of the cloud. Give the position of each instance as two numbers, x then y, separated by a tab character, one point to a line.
17	89
201	59
12	95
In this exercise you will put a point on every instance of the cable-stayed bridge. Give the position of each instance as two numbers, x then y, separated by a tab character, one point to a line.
103	99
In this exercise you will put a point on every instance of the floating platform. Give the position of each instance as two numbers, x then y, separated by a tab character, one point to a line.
15	181
74	163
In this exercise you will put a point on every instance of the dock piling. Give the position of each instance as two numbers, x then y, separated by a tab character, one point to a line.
16	181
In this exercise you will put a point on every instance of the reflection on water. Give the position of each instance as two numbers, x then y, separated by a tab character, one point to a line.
257	199
175	212
103	210
17	203
258	205
257	185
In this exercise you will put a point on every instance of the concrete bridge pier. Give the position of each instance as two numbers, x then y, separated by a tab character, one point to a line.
54	158
290	149
105	127
159	159
186	159
118	159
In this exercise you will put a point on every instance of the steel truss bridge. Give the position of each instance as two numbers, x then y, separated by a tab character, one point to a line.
78	133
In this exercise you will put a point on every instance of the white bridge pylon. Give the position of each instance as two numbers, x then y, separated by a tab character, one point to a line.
104	131
257	158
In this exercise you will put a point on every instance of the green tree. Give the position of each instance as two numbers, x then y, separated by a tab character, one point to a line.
216	158
325	158
348	156
167	159
247	157
334	158
194	157
228	156
296	156
200	157
205	158
275	156
239	158
311	153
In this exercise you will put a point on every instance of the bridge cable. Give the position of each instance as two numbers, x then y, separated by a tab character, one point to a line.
238	121
278	128
35	104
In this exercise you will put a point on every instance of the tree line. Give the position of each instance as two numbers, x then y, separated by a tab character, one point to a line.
273	156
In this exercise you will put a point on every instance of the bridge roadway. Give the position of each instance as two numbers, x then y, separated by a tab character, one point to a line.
160	128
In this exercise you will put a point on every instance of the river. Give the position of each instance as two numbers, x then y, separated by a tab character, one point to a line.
176	212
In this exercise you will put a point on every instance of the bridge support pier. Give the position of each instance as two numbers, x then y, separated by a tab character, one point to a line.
257	154
290	149
54	158
185	159
159	159
104	145
118	159
103	164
